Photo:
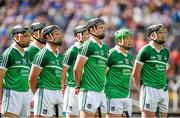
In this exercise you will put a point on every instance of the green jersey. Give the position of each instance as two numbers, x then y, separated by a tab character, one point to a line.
32	50
118	76
154	62
51	64
17	66
93	78
69	61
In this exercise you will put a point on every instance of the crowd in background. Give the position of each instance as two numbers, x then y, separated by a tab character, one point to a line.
133	14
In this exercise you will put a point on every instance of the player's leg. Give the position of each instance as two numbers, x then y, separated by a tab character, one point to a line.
11	103
43	106
163	115
147	114
164	103
89	101
58	103
9	115
26	108
103	106
149	98
32	105
114	108
127	112
70	103
72	108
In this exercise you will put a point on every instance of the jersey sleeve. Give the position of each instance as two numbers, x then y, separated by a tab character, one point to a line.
68	58
40	59
141	56
85	49
5	60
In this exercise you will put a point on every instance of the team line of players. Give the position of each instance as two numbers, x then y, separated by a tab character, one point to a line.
88	77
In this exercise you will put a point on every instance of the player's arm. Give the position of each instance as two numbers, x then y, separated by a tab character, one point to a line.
33	77
63	80
141	58
2	74
78	67
136	74
4	63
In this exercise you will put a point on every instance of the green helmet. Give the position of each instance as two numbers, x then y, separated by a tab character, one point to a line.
121	34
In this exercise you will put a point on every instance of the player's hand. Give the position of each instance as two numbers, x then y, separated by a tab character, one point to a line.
63	91
77	90
32	103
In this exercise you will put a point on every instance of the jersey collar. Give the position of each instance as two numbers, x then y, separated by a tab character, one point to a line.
32	44
13	46
118	50
50	49
77	44
92	39
152	46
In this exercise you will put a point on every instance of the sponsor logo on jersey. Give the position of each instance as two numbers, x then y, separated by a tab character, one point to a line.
126	61
96	52
17	62
159	57
120	62
153	57
24	61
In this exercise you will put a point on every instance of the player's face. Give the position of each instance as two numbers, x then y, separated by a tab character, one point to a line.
85	36
25	39
128	42
101	29
57	37
162	35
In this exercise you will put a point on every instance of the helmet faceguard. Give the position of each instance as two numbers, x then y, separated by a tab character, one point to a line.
121	35
79	30
21	31
93	23
157	33
38	27
48	31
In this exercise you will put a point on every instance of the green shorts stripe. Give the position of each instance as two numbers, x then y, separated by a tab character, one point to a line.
7	94
84	99
144	96
108	105
68	92
40	100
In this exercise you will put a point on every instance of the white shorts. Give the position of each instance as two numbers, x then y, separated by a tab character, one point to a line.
119	106
16	102
151	98
45	100
70	101
89	101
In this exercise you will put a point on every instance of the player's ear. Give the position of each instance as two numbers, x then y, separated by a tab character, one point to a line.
153	35
91	29
48	37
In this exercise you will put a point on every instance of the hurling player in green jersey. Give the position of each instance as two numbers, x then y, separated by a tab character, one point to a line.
70	102
119	68
14	71
45	74
89	70
149	73
38	42
36	45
